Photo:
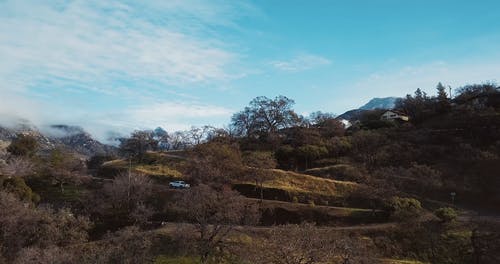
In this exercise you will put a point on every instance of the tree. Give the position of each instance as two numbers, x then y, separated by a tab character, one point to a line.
64	168
265	116
127	246
23	145
162	137
215	163
366	144
319	117
17	167
139	143
298	244
214	213
179	140
308	244
127	195
260	164
442	99
446	214
405	209
23	226
310	152
418	106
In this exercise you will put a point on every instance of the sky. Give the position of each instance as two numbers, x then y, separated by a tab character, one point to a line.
117	66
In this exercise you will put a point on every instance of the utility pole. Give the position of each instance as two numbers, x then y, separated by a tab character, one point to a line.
450	92
129	174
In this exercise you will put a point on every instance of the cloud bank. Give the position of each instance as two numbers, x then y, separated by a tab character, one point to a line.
127	50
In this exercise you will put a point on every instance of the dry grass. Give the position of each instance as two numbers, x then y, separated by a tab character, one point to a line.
152	170
301	183
158	170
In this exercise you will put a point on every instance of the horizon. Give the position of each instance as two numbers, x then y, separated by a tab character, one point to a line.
120	65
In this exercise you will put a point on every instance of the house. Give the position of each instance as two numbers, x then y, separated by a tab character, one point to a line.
347	124
394	116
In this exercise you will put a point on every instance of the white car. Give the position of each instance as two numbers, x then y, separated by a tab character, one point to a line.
179	185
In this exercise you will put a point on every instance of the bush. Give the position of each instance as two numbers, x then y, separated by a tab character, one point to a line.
446	214
23	145
18	187
404	209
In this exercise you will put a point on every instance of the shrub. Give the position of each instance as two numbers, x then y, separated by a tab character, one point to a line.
23	145
446	214
404	209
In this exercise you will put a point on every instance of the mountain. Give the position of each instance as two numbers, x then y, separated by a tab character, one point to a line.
380	103
77	139
73	138
352	115
375	103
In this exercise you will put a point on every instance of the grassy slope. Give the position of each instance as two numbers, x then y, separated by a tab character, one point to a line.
301	183
158	170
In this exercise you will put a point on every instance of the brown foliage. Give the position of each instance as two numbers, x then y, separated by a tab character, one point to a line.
215	163
22	225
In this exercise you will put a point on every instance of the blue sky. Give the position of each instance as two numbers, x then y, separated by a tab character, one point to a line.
124	65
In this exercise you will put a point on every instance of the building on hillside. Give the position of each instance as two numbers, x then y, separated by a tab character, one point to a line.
393	115
347	124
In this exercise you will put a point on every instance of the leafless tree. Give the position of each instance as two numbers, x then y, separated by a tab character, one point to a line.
309	244
128	246
23	226
260	164
214	214
128	193
17	167
51	255
215	163
295	244
179	140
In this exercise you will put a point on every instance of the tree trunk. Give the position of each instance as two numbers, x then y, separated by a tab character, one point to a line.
261	192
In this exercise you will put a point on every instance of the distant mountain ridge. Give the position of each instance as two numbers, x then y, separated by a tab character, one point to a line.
373	104
73	138
380	103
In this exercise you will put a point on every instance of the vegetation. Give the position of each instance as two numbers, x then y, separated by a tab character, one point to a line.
275	187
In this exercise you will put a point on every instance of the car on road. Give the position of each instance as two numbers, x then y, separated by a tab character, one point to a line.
179	185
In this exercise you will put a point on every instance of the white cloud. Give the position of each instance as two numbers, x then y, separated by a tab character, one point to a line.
172	116
93	43
300	63
140	51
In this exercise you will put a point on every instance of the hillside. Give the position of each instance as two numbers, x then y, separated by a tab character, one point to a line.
380	103
72	138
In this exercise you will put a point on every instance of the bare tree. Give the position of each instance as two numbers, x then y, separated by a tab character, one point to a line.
260	164
17	167
214	214
128	194
179	140
308	244
215	163
295	244
23	226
